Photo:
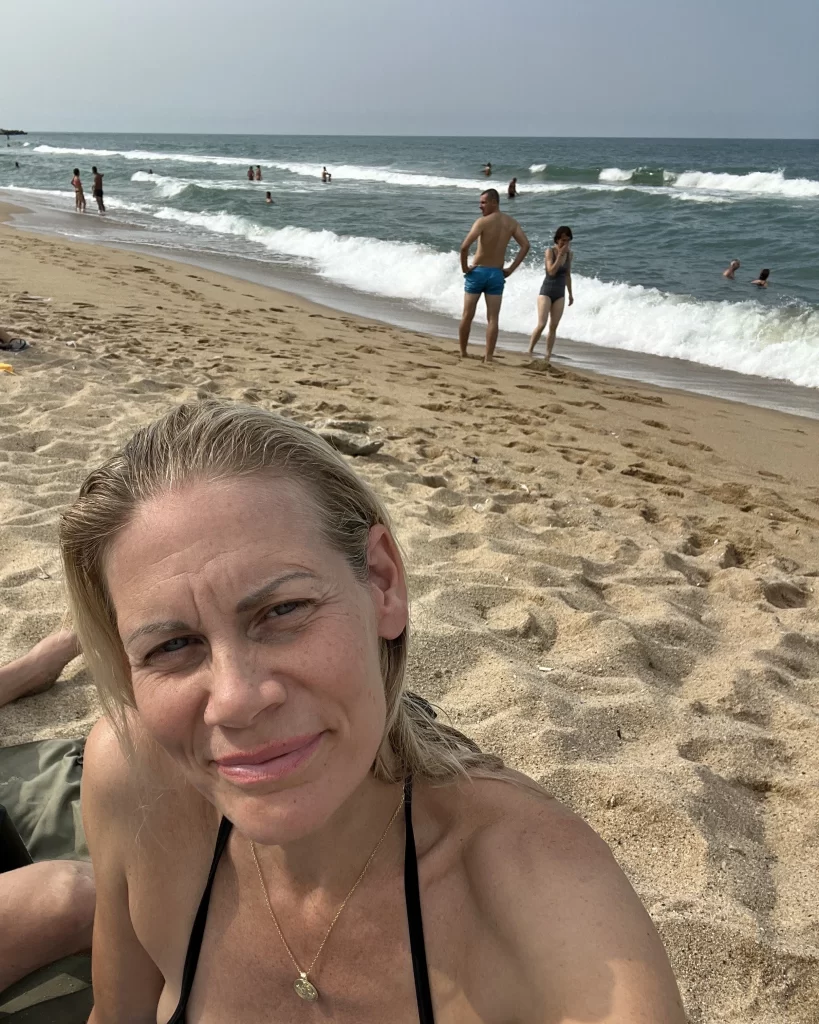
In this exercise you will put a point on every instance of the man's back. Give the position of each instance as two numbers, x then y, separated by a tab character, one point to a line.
496	231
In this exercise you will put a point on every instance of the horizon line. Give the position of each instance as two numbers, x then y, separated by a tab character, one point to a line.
412	135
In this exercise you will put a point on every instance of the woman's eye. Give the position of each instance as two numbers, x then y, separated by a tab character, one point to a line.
284	609
179	643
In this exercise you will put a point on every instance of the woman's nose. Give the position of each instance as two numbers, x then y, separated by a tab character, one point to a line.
242	685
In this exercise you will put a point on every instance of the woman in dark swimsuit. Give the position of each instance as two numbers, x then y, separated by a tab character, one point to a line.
280	831
558	280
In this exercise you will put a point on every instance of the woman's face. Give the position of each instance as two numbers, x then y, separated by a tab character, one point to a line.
254	650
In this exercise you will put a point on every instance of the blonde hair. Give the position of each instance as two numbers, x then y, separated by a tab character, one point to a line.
214	441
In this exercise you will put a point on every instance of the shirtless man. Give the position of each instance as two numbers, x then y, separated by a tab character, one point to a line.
733	267
97	191
79	195
492	231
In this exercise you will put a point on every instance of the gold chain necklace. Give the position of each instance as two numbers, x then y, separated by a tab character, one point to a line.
305	989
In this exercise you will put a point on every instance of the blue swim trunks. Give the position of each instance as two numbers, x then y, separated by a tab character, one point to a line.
484	280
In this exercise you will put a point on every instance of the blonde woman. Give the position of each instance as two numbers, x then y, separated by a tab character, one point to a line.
279	830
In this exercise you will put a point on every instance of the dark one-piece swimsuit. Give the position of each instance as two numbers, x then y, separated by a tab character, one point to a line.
554	287
412	895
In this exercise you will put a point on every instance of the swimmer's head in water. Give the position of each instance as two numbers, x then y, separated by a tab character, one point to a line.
764	274
564	231
735	264
235	583
490	200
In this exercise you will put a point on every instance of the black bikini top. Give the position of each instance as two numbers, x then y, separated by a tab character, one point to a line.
412	896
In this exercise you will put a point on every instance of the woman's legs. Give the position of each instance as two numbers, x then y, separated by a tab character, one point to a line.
39	668
46	912
557	313
543	304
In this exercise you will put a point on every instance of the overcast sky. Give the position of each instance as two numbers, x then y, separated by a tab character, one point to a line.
742	68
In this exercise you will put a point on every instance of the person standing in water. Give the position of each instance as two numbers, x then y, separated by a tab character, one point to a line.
512	190
250	174
79	194
762	280
487	170
268	198
492	231
258	172
326	177
733	267
558	280
97	191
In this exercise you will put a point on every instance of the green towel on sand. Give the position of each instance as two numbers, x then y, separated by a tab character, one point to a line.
40	789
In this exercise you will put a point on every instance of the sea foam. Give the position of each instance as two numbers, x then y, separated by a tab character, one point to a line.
779	342
767	183
616	174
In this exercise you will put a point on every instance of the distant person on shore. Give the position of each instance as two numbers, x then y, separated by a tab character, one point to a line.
97	191
492	231
79	195
733	267
558	280
250	174
487	170
268	198
326	177
762	280
512	190
258	172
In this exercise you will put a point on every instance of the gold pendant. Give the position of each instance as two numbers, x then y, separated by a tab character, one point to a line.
305	989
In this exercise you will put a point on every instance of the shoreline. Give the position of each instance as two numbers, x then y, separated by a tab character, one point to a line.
615	587
665	372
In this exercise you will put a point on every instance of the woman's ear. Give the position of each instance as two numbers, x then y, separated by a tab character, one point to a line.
388	585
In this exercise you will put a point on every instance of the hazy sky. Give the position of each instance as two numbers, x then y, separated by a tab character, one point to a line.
533	67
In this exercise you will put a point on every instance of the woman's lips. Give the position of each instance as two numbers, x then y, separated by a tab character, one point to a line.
261	766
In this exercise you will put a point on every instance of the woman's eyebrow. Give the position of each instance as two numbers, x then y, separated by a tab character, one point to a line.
169	626
266	590
269	588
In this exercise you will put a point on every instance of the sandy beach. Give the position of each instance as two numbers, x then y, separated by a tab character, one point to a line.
615	587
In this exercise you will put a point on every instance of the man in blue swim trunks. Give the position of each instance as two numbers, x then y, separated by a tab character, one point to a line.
492	231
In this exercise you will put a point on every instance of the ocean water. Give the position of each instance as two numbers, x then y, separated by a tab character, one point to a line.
655	222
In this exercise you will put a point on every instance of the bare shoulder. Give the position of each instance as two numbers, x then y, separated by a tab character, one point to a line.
129	787
510	222
557	904
518	824
107	778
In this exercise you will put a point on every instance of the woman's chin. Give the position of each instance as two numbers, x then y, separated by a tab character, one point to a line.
279	818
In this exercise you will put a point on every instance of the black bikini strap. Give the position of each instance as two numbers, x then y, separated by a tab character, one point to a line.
198	930
412	895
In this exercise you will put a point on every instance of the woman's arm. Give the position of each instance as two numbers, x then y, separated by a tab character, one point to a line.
127	983
569	278
554	260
